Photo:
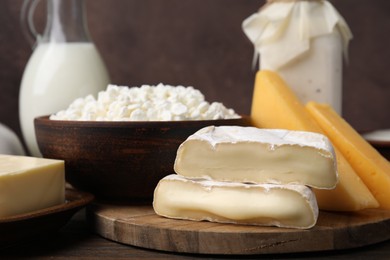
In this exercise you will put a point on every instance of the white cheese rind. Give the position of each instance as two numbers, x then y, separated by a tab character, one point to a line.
249	154
290	206
28	184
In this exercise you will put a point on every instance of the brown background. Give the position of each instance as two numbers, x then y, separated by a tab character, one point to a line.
201	43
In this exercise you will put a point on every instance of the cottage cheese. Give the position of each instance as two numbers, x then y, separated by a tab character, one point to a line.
145	103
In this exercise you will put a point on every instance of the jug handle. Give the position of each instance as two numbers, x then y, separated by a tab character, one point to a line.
27	22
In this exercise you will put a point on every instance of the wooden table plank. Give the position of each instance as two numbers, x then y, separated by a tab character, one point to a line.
76	241
127	224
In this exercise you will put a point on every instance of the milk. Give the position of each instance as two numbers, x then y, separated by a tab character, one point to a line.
56	74
304	42
316	75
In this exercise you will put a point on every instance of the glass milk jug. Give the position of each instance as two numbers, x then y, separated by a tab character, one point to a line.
65	64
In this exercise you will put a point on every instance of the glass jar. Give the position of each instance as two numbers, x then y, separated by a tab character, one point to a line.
303	41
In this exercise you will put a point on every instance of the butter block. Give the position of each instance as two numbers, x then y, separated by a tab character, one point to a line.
28	184
368	163
290	206
249	154
276	106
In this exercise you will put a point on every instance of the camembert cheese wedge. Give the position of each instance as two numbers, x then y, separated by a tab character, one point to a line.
28	184
290	206
253	155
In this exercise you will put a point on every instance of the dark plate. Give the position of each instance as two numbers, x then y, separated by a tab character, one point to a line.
33	224
380	139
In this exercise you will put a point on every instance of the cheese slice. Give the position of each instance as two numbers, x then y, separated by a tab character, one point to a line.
292	206
28	184
368	163
249	154
276	106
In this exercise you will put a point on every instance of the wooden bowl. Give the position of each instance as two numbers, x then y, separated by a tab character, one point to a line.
117	161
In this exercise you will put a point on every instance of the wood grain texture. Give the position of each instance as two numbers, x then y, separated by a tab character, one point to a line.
140	226
118	160
76	241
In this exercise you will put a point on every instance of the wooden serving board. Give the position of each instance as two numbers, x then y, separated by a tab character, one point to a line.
140	226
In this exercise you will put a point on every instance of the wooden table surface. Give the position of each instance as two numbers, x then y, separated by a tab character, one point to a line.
76	241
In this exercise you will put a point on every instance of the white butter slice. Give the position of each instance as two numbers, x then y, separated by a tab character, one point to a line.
249	154
290	206
28	184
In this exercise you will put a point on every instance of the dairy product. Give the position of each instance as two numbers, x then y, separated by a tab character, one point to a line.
56	74
28	184
304	42
275	105
249	154
145	103
292	206
368	163
317	75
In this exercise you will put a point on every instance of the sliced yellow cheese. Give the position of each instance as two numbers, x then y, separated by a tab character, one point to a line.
28	184
372	168
276	106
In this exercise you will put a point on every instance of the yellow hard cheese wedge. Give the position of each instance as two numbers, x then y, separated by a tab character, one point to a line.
372	168
276	106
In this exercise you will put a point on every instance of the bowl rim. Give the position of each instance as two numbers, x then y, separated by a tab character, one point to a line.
45	120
